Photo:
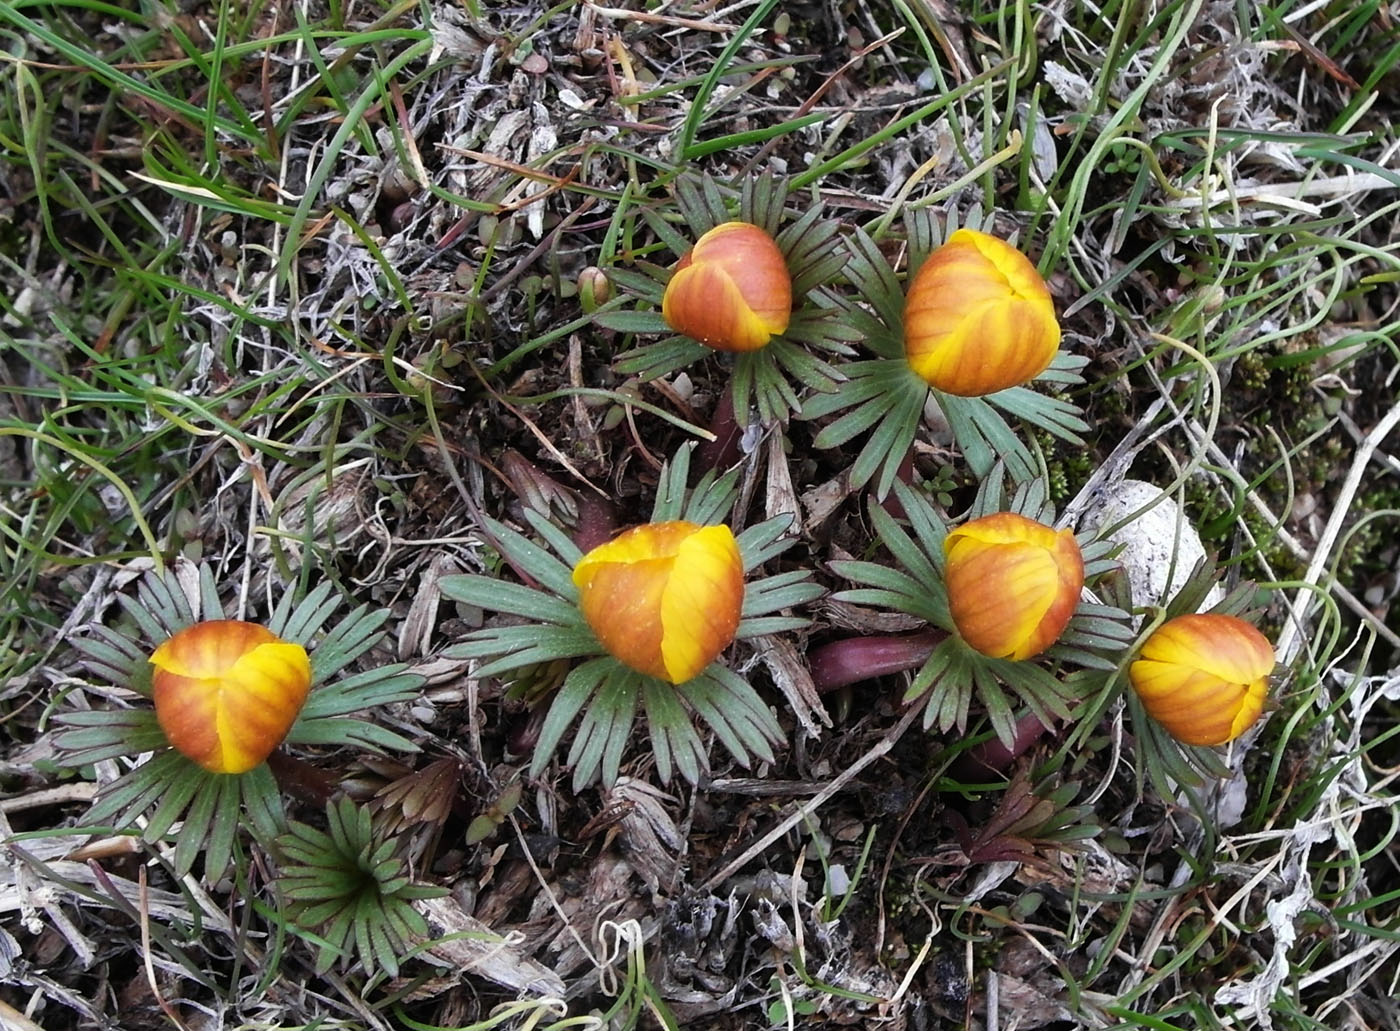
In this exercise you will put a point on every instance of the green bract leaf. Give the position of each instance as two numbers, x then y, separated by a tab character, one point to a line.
346	885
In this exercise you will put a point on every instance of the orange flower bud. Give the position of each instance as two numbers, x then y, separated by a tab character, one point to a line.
664	598
1012	584
1204	677
732	291
227	692
978	318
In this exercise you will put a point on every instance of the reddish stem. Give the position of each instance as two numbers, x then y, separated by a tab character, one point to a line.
853	659
995	756
596	523
301	780
723	451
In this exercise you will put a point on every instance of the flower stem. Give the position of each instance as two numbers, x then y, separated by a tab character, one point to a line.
995	756
722	452
301	780
853	659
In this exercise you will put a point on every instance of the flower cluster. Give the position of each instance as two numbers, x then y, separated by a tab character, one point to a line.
977	319
597	636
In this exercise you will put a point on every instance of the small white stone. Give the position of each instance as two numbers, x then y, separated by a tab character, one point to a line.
1160	546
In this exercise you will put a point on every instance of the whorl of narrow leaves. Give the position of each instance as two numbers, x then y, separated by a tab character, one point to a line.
350	887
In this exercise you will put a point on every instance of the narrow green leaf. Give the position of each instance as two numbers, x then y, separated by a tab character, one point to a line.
176	797
603	733
556	538
903	423
350	638
762	626
670	490
864	380
654	361
134	791
678	243
712	500
263	803
385	685
810	371
788	590
109	655
915	604
309	615
758	544
873	574
534	560
873	278
646	286
644	322
672	734
195	832
749	716
502	596
578	687
153	630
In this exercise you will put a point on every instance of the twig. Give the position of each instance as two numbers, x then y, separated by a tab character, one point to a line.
660	19
803	812
143	907
1289	640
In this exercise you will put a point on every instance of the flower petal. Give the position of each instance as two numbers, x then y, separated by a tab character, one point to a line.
1226	647
703	302
702	602
757	267
621	601
209	648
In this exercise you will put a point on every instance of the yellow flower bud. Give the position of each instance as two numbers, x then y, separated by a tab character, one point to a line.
227	692
1012	584
664	598
978	317
1204	677
732	291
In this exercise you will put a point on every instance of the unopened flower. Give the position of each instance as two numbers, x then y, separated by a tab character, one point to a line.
732	291
227	692
1204	677
978	317
1012	583
664	598
594	288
